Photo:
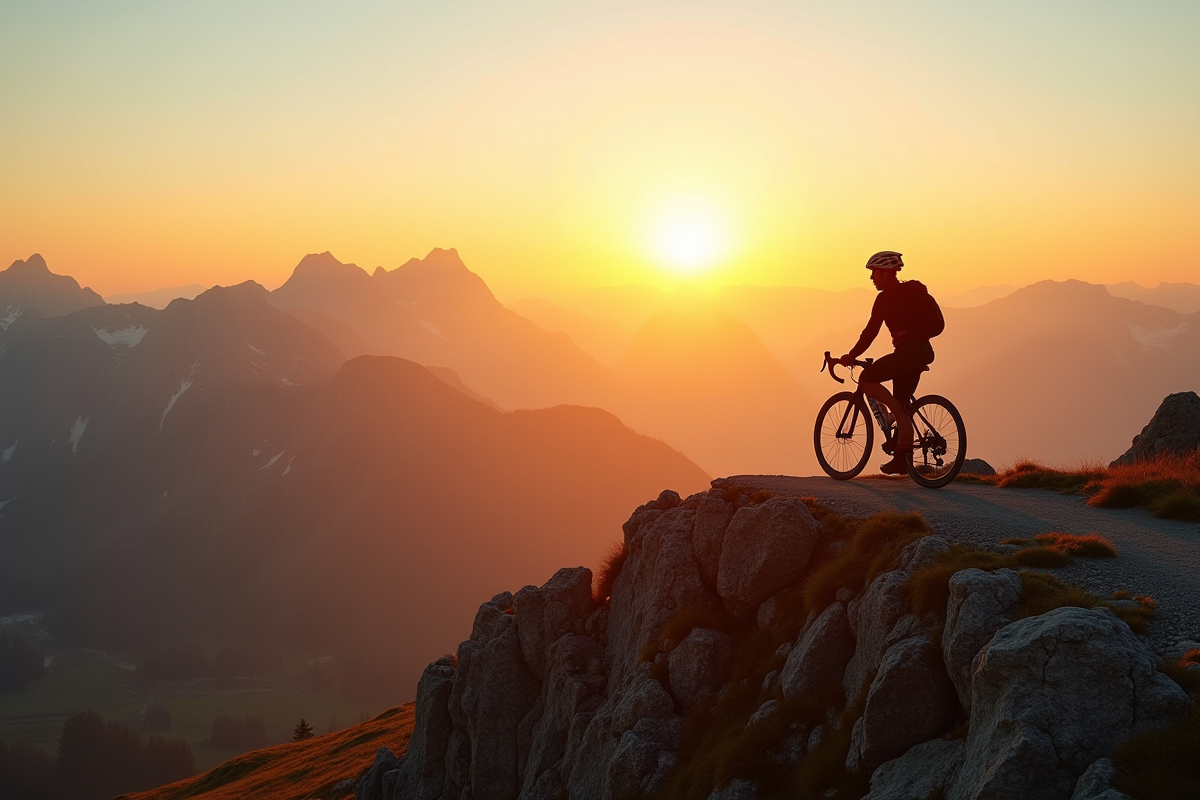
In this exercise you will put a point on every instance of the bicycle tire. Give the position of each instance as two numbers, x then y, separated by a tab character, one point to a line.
936	425
840	457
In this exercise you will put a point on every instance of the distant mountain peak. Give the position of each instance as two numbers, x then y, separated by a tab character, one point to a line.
322	261
35	263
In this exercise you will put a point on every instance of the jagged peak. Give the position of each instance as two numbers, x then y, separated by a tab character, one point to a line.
35	263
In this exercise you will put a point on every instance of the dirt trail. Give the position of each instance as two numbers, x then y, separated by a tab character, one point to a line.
1157	557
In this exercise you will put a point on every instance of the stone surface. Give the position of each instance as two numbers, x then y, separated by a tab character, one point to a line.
738	789
911	700
980	604
423	775
698	665
1096	782
1050	696
546	613
660	578
919	773
712	518
820	655
1173	430
492	692
976	466
370	785
883	615
766	547
572	690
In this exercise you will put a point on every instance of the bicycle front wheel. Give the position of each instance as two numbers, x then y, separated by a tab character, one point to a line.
940	442
843	435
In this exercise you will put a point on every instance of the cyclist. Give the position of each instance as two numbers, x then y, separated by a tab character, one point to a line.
913	318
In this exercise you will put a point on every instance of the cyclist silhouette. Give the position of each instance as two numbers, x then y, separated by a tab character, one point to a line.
913	318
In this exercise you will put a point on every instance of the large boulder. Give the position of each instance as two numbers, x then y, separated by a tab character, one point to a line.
423	775
660	578
918	774
492	691
544	614
910	701
1173	430
370	785
1096	782
698	665
820	654
976	466
573	690
883	616
766	547
712	518
980	604
1051	695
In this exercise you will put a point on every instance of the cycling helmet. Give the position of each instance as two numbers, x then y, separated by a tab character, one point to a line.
885	259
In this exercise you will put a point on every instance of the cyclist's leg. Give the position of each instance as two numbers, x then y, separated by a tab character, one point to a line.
889	368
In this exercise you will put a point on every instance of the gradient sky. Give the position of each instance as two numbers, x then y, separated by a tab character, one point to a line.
555	144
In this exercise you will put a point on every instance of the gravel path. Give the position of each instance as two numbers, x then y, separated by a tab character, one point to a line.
1156	557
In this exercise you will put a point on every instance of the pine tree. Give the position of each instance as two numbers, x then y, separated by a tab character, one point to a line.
303	731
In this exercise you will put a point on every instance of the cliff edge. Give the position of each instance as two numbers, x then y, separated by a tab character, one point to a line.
740	645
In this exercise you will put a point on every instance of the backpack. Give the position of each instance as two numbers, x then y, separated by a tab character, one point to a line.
925	316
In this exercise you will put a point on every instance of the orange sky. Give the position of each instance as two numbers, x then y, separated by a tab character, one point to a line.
564	145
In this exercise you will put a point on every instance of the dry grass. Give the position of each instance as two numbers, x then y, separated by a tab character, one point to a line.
929	588
1072	545
1169	486
610	568
307	769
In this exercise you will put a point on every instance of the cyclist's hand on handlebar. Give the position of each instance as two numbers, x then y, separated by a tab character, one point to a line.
846	360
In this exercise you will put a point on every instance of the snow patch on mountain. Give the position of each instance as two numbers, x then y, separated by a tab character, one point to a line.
289	466
256	349
3	503
76	434
184	385
7	453
128	337
10	316
1157	338
271	463
434	329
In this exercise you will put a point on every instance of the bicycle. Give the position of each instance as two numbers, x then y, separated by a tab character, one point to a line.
843	435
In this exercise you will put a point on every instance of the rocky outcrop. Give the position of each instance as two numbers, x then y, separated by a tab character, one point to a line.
1052	694
558	695
980	604
1173	430
976	466
820	655
766	548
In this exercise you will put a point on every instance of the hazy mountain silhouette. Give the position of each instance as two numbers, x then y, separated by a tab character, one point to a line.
30	284
978	296
495	350
1181	297
605	340
159	298
1063	371
703	381
322	288
213	471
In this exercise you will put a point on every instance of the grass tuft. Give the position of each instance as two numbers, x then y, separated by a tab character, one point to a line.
1169	486
610	568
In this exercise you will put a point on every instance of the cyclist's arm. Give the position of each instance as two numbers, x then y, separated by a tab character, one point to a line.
871	331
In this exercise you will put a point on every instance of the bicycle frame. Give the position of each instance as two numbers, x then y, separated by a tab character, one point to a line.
881	414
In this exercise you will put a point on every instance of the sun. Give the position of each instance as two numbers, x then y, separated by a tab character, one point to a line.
689	237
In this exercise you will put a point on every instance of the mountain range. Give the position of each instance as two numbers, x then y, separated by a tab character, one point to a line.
217	471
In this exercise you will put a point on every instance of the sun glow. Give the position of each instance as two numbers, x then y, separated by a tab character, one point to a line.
689	237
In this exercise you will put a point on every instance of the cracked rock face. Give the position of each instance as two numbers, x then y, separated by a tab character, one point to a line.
1051	695
980	604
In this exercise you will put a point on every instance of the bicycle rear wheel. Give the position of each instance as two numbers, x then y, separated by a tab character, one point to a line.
843	435
940	442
